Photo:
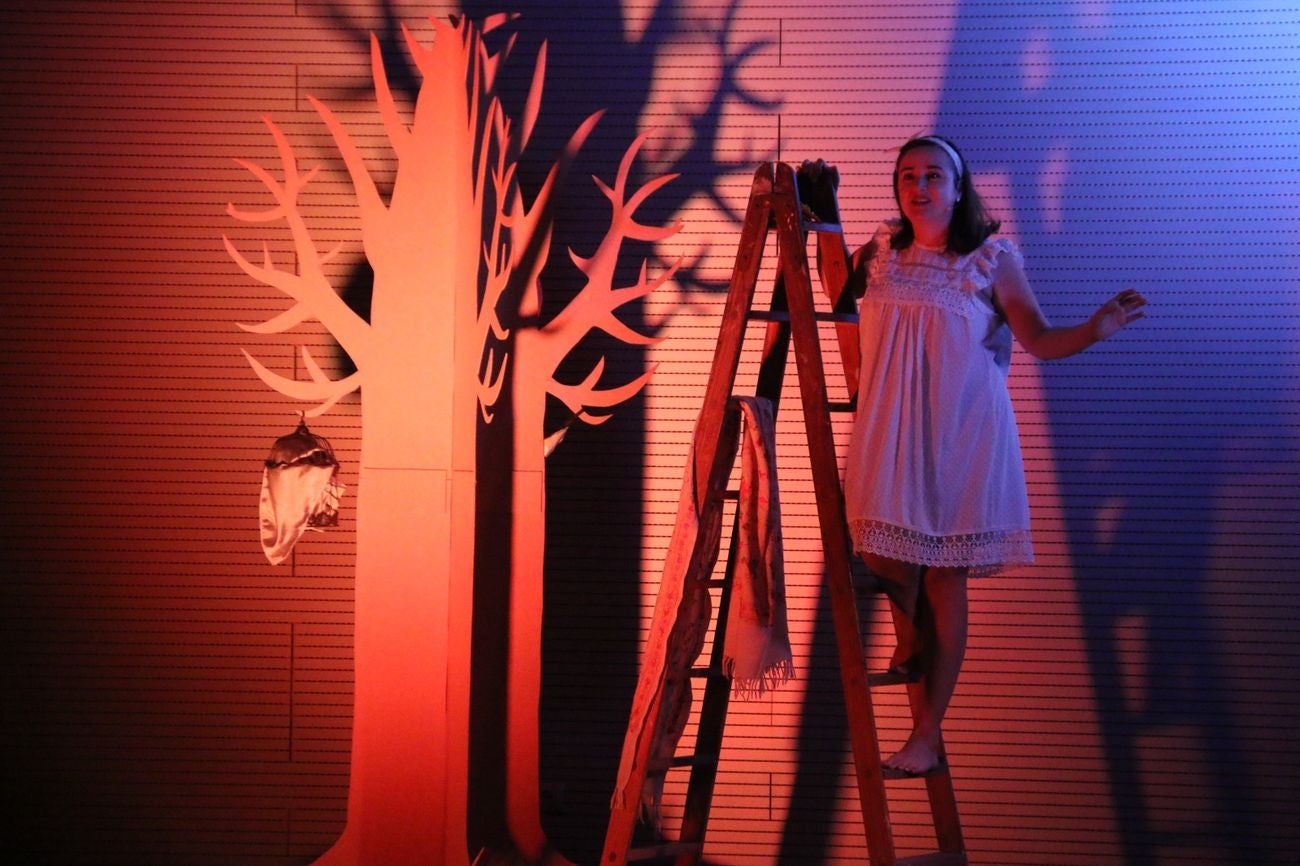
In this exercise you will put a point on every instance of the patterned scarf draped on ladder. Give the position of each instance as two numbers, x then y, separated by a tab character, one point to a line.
756	649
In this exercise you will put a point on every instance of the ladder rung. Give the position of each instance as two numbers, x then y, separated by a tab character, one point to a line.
889	773
893	678
841	407
783	316
678	761
662	851
702	673
693	761
869	585
938	858
819	226
721	492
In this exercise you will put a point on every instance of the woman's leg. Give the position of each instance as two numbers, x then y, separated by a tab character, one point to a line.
901	582
943	635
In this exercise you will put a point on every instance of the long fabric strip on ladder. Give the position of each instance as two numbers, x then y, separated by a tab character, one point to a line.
756	651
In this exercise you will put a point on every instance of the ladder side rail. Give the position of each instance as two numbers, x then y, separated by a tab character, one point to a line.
699	795
622	822
776	348
712	722
708	470
940	791
839	285
713	708
834	531
740	297
842	286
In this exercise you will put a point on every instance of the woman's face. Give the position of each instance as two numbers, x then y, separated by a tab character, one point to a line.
927	187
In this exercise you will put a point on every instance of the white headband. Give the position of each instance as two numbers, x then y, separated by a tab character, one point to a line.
948	149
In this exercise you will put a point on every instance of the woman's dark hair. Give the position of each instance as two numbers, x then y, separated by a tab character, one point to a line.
971	224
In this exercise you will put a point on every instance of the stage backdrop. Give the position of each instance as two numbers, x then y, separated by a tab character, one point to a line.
171	698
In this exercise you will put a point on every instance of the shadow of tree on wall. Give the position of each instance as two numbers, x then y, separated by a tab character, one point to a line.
595	487
1146	154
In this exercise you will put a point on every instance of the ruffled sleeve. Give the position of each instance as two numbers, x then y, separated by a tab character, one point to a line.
984	262
884	252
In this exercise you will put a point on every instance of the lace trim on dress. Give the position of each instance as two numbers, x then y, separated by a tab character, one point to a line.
917	275
983	552
908	287
975	268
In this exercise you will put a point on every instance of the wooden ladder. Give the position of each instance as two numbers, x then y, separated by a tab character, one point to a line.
775	202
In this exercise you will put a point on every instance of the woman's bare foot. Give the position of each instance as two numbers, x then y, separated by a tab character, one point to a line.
920	754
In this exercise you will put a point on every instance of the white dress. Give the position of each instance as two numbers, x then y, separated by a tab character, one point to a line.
934	474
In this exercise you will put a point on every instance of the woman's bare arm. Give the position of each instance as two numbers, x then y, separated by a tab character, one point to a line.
1044	340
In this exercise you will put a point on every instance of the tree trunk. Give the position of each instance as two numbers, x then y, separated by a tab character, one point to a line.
416	505
523	812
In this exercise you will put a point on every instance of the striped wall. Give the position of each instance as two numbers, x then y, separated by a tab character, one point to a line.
170	698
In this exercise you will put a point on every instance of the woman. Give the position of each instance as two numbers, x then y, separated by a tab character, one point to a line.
934	484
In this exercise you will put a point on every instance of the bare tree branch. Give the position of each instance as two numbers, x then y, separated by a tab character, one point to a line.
309	288
374	231
292	317
327	391
586	395
594	305
398	134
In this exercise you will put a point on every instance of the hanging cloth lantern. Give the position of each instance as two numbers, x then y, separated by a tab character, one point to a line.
300	491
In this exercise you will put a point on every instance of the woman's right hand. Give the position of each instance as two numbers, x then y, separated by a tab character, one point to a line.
1121	310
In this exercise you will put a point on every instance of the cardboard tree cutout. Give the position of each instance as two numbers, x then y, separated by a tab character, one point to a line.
436	355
